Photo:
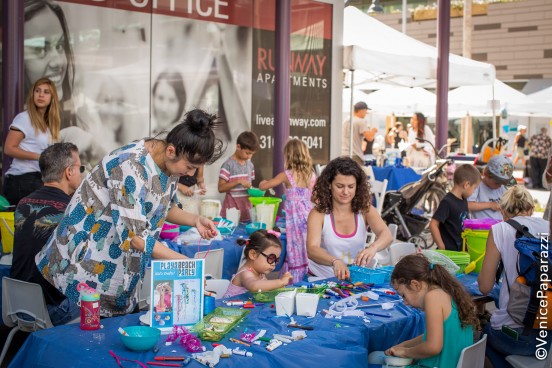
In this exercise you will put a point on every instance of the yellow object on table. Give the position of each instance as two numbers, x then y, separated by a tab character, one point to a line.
6	230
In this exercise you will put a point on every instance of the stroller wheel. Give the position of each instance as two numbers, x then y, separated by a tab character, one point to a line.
418	241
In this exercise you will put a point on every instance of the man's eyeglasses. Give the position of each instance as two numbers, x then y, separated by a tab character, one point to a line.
271	258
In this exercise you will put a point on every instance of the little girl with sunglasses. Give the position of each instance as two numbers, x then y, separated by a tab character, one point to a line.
262	251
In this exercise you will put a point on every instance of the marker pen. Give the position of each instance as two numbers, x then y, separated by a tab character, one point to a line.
273	345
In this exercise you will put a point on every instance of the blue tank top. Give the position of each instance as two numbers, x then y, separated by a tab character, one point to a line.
455	338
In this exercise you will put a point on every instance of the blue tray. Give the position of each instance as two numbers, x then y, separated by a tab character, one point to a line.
367	275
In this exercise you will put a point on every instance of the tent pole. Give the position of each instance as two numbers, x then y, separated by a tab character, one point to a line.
494	117
352	114
404	10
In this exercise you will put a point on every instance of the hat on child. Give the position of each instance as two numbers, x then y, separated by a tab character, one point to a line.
501	168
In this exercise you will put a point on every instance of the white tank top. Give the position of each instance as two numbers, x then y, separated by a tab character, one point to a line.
344	247
504	236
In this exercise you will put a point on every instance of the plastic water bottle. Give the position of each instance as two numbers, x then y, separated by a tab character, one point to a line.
90	307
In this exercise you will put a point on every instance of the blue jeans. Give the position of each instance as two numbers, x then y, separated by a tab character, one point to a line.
500	345
63	313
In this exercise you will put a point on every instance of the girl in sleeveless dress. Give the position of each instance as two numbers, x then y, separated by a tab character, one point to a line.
449	310
262	251
298	179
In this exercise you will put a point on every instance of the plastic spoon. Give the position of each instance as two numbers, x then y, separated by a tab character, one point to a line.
471	266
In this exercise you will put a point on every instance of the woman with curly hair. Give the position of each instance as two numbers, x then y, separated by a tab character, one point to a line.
337	225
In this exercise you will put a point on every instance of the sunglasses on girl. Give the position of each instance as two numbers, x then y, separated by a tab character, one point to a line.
271	258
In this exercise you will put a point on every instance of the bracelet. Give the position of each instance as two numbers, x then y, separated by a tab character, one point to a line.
334	260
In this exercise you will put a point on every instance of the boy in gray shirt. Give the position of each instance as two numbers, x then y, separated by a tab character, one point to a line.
483	203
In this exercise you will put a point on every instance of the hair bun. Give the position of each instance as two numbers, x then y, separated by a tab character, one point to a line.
200	122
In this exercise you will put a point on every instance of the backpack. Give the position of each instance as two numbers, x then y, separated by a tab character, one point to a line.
530	302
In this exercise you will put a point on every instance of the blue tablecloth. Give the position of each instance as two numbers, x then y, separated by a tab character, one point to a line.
232	251
396	177
336	343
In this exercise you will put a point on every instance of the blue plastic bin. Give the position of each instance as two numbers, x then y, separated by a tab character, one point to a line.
367	275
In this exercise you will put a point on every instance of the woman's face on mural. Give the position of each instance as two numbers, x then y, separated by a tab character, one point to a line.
165	105
44	52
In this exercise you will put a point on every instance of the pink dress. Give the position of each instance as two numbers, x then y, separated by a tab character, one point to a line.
298	206
237	290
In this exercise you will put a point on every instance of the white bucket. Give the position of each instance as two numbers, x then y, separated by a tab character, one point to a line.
265	214
210	208
189	204
233	214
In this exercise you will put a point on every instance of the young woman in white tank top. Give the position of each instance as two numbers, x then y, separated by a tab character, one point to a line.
336	227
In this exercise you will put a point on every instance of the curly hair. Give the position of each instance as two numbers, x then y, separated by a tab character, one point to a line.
417	267
322	193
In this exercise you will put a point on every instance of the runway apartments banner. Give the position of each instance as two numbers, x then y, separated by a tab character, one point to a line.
127	69
310	79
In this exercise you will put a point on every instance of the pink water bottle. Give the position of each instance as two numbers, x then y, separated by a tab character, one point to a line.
90	307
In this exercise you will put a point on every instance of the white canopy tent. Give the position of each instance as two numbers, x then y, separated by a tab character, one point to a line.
387	55
543	96
475	100
403	101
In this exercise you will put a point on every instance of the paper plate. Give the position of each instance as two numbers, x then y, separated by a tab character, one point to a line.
145	318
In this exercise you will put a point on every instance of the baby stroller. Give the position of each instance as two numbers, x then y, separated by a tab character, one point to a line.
412	206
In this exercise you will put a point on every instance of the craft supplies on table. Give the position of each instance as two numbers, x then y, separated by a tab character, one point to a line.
217	324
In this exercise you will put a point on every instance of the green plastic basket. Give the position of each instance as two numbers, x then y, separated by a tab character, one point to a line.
461	259
218	323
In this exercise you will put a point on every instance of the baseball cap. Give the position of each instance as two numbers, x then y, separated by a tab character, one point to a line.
361	106
521	127
501	168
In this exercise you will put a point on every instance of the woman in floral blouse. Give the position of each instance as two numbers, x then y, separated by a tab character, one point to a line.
110	228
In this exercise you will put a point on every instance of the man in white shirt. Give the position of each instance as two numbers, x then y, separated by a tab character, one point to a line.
361	130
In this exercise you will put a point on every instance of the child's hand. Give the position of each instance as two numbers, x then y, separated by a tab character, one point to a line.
495	206
286	278
246	183
397	351
187	191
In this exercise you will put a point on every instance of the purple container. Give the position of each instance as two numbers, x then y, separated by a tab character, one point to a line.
480	224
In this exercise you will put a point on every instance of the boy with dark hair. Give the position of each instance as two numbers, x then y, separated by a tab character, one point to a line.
248	141
236	175
447	221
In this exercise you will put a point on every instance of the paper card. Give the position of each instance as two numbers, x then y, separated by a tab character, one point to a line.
177	290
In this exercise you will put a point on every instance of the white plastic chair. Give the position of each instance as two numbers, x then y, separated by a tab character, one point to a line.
318	169
23	298
379	188
520	361
144	292
473	356
219	286
399	250
213	262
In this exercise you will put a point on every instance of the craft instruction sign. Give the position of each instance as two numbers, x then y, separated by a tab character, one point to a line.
177	292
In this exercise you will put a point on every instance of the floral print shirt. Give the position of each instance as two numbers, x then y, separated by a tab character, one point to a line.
125	195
